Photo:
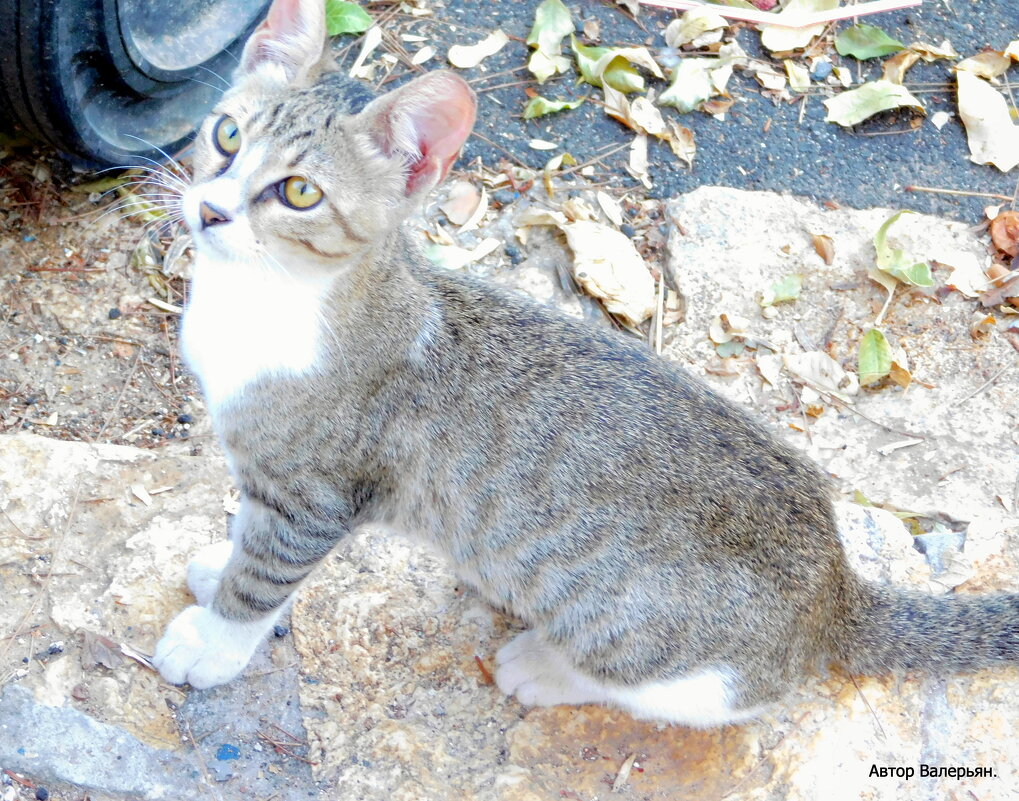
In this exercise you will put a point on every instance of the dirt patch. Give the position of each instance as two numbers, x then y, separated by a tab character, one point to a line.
84	353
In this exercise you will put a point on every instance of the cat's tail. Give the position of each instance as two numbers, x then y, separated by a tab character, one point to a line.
886	629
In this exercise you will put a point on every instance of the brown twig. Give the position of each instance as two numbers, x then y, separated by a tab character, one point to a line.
985	385
873	714
847	407
960	192
485	673
497	146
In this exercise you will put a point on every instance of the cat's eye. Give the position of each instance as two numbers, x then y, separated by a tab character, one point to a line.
299	193
226	136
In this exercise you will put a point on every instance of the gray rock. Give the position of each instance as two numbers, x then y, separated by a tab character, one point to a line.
64	745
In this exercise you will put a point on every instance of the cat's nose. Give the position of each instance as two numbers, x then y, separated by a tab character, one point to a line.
211	215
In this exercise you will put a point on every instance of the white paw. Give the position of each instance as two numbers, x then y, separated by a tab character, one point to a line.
538	675
204	649
205	569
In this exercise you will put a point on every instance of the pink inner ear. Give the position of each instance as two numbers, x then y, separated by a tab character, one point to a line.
292	35
439	109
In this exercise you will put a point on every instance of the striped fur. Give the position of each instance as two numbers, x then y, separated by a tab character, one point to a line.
667	551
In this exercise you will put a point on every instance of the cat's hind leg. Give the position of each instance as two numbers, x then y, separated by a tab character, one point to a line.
534	671
538	674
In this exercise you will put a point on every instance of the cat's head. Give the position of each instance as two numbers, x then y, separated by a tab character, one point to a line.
298	163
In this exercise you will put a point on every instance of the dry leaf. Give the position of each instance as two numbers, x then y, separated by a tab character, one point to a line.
1005	287
479	212
727	327
610	207
141	494
989	64
825	247
799	76
779	39
929	52
899	372
369	42
1005	232
422	55
692	24
99	650
638	166
895	68
993	137
967	276
541	144
461	203
681	140
770	367
467	56
608	267
982	325
821	372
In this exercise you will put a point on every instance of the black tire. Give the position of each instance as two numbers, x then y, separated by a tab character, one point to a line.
72	75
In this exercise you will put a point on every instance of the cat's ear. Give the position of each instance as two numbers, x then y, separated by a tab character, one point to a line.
292	37
425	122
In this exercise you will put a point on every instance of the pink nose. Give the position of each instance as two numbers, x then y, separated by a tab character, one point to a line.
211	215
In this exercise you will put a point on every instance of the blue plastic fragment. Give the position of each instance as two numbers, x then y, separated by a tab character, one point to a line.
227	751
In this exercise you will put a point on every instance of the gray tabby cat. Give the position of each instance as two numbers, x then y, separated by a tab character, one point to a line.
670	556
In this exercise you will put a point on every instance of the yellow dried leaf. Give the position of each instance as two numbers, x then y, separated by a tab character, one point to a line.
467	56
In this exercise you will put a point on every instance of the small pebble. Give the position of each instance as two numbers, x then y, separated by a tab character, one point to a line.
821	71
113	314
514	254
184	419
41	794
56	648
280	631
504	196
628	230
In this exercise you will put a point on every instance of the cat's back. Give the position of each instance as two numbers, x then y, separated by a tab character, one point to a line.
577	401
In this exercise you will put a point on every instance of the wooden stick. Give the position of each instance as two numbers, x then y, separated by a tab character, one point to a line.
789	21
960	192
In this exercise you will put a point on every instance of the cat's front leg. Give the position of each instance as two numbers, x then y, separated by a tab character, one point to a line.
206	645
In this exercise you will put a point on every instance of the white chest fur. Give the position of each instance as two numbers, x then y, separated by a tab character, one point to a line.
246	320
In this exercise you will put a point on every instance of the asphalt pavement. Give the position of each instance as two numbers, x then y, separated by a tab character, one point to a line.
798	153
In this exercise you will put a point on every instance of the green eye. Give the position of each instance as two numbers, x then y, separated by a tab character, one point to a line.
300	194
226	136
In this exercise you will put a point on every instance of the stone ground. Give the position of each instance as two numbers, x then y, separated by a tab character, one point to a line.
381	688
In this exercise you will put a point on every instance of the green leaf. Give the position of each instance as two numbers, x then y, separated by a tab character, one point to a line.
787	289
540	106
552	23
691	84
856	105
895	262
866	41
617	73
344	17
875	359
103	184
731	348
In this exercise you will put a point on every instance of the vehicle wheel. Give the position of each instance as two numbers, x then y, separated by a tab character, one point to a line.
112	82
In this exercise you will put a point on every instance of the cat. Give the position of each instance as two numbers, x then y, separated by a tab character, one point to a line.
671	557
